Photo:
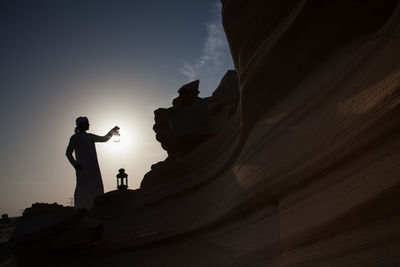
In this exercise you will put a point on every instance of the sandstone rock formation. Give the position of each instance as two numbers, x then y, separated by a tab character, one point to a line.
179	128
305	173
48	228
189	122
192	120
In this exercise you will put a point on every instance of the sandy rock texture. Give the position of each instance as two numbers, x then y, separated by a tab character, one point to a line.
305	171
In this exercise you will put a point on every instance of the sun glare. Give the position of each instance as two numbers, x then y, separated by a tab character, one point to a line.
123	142
118	146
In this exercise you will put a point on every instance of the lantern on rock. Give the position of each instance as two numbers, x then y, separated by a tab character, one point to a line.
122	179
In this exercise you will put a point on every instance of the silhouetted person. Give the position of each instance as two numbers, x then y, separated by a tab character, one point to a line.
88	177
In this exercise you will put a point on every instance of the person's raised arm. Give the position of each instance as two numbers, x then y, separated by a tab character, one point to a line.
70	157
105	138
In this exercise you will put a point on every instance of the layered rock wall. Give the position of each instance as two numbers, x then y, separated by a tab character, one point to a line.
320	125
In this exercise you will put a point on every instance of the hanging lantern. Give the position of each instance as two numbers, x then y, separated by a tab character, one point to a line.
122	179
117	137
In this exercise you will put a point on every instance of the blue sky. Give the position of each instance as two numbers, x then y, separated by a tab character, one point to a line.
113	61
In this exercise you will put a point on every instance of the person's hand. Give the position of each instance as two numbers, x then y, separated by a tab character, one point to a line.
115	130
78	167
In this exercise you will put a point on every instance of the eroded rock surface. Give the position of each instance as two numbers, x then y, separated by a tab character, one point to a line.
49	228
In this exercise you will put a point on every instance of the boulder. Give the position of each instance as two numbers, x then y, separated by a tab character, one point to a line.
185	125
46	228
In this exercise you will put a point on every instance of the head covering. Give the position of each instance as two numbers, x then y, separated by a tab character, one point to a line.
79	121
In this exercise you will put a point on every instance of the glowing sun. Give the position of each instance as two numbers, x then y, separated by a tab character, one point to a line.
124	141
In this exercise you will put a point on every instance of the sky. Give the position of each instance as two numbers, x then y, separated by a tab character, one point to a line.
114	61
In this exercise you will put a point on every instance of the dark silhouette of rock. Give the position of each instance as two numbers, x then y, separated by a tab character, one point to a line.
41	209
47	218
7	225
188	94
193	120
181	128
172	124
228	89
45	228
5	219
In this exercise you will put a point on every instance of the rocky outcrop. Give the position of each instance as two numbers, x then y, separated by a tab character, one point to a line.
50	228
180	128
191	119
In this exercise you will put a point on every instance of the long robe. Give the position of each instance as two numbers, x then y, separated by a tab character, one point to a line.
89	184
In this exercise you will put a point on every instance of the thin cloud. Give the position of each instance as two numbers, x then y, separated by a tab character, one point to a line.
215	55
